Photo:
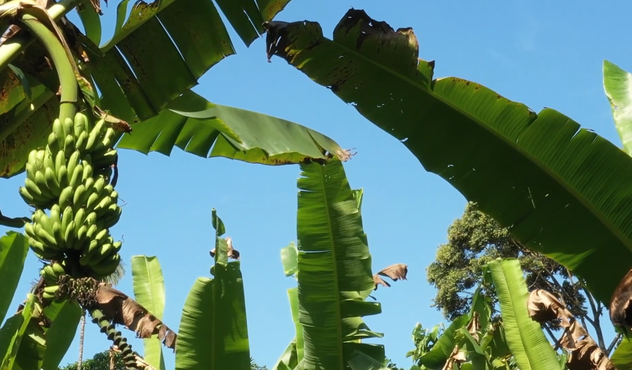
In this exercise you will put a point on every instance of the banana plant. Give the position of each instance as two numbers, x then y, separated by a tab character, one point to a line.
123	77
564	191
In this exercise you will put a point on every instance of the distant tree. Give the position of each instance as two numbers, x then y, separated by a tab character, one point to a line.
100	361
476	239
254	366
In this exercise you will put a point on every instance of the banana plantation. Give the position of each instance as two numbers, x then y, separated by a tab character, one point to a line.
71	102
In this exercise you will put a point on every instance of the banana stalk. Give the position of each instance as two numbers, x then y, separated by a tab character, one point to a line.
99	318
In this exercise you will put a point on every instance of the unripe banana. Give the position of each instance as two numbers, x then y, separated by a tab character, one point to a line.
51	181
107	267
102	234
58	269
99	184
88	253
89	184
69	127
62	176
58	235
111	216
40	181
93	200
92	232
69	145
49	161
109	158
65	197
80	124
103	205
108	137
80	197
53	143
94	135
76	175
33	189
80	216
66	217
58	129
32	158
55	214
60	160
39	217
72	163
91	219
70	236
82	141
45	237
105	251
41	251
51	289
81	237
33	200
87	170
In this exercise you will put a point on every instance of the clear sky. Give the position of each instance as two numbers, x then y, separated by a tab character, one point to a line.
541	53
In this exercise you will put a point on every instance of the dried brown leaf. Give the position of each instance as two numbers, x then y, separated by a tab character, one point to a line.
584	352
232	253
456	357
620	307
125	311
395	272
474	325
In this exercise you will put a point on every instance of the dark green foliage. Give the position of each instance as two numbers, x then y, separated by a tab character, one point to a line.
476	239
100	361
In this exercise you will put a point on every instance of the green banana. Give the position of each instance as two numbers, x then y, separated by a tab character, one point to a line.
93	200
65	197
88	253
58	235
60	160
87	170
99	184
91	219
89	184
70	236
82	141
80	124
51	181
62	176
107	267
92	232
76	175
45	237
40	182
109	158
69	127
58	129
53	143
94	135
69	145
80	196
72	163
81	237
80	216
111	217
42	251
58	269
66	217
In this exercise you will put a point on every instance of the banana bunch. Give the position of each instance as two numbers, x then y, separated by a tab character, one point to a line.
71	178
51	274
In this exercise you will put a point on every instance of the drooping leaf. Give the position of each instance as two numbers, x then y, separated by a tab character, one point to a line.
564	191
13	250
65	317
525	337
618	86
395	272
360	361
334	267
149	291
12	332
196	126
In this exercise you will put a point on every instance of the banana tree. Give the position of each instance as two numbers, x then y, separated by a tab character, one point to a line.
123	77
564	191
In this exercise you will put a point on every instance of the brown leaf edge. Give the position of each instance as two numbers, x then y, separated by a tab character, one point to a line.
123	310
232	253
395	272
584	353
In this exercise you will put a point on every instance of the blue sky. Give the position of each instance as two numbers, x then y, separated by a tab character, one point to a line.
544	54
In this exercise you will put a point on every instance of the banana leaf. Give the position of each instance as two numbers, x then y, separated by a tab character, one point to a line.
564	191
149	292
12	333
621	358
288	360
65	317
213	330
618	86
440	352
524	336
199	127
13	250
334	270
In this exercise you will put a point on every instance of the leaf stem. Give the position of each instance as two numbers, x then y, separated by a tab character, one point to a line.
67	79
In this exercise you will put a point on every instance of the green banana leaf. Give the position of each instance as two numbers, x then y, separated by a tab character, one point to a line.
149	292
289	259
213	332
199	127
65	317
288	360
12	333
524	336
13	250
618	86
334	269
621	358
437	356
299	344
564	191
